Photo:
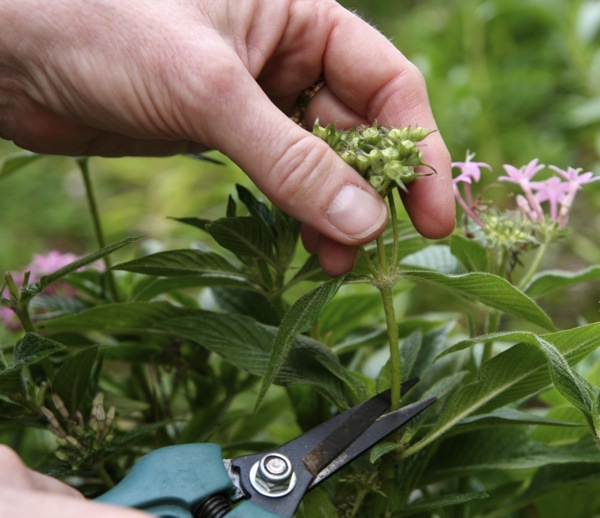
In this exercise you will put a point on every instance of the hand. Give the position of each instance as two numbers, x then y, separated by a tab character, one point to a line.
122	77
24	492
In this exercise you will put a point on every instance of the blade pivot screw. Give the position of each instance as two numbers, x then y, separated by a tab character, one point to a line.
273	475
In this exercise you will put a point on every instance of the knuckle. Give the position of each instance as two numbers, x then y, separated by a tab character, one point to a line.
296	174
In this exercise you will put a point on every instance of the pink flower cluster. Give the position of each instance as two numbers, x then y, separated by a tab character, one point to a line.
557	191
39	266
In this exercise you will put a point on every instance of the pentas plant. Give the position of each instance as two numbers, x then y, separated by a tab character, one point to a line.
173	347
541	213
388	159
15	307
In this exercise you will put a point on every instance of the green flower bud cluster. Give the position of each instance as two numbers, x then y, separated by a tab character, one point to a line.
385	157
80	441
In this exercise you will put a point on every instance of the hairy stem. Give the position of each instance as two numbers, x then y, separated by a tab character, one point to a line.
392	330
395	236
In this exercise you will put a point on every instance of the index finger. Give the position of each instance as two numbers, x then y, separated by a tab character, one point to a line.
368	76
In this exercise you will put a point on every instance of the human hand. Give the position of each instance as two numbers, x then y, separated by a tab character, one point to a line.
121	77
26	493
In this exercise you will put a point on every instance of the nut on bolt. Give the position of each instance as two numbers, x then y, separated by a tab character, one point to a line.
273	475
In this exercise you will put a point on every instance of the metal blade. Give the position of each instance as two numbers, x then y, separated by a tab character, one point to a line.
378	431
344	434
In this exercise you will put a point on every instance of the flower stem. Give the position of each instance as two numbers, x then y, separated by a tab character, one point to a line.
395	236
392	330
22	313
535	264
82	163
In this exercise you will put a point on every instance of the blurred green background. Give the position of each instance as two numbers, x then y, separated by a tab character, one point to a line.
508	79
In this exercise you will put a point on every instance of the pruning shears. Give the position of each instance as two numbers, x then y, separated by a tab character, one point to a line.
194	481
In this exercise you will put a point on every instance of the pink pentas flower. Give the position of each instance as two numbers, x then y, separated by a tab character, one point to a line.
574	177
554	191
523	175
469	170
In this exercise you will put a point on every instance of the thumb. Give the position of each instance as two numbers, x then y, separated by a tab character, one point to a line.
296	170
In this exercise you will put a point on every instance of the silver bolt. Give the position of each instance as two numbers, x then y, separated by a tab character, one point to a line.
273	475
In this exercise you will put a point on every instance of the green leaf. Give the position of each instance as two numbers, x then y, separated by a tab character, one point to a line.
15	161
153	287
31	349
346	312
248	303
244	236
428	504
126	317
317	504
195	222
72	379
256	208
509	416
470	253
569	383
287	230
501	449
180	262
489	289
75	265
551	280
240	340
247	344
518	372
433	257
299	318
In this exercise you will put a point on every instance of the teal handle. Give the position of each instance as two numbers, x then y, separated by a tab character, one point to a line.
171	482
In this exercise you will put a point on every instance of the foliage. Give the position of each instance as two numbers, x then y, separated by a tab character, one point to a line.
170	345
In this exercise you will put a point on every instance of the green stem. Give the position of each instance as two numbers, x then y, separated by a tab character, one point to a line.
395	236
358	501
492	326
381	255
535	264
103	474
395	359
370	264
22	312
82	163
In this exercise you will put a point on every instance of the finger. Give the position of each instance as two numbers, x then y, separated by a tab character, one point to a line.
335	259
27	503
392	91
296	170
16	474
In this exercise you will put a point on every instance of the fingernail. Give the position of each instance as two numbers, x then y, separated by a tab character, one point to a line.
357	213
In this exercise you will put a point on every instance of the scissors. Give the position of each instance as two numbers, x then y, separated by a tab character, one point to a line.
194	481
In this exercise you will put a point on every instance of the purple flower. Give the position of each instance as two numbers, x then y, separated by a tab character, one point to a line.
574	178
554	191
524	175
469	170
574	181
